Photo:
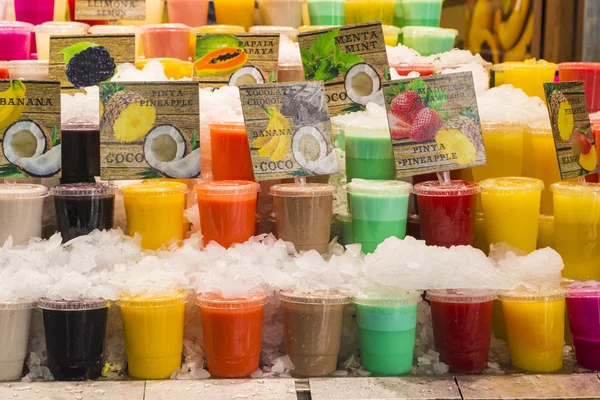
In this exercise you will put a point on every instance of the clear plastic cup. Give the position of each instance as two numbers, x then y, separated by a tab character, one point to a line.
15	320
281	12
4	70
428	40
188	12
15	40
230	152
344	226
390	35
154	14
235	12
422	12
47	29
232	29
153	328
546	232
34	11
288	31
369	152
504	144
358	11
540	161
28	69
327	12
75	332
154	209
21	211
529	76
535	329
166	41
386	331
583	306
80	152
589	73
224	322
290	73
312	330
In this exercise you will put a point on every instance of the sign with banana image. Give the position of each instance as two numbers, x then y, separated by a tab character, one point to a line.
289	131
29	129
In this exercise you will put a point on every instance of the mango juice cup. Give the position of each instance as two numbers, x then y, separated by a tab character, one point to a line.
153	329
546	232
235	12
535	329
232	330
511	209
542	163
504	150
358	11
154	209
529	76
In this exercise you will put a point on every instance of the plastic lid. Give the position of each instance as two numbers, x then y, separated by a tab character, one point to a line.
165	27
312	28
273	29
18	304
317	297
79	126
343	217
486	125
164	300
583	289
379	188
513	65
72	305
511	184
15	26
219	28
391	28
546	295
546	219
84	189
576	188
214	300
388	299
302	190
452	188
22	191
62	27
29	63
110	29
227	187
155	188
429	29
461	296
228	126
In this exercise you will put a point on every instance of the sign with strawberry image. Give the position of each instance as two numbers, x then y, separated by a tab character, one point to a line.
434	123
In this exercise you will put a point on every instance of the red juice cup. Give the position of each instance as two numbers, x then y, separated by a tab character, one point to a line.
230	152
422	69
447	212
166	41
462	327
587	72
232	333
15	40
227	210
583	307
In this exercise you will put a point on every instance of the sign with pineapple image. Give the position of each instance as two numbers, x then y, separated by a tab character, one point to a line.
434	123
112	10
570	121
288	130
149	130
29	129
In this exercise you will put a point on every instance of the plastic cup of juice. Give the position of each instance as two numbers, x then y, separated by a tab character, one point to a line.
21	208
75	332
390	35
422	12
462	327
529	76
427	40
34	11
447	212
15	319
535	329
386	331
153	328
511	208
290	73
398	14
4	74
546	232
344	225
503	143
544	164
80	152
15	40
166	41
154	209
47	29
28	69
227	210
225	321
379	211
422	69
576	221
369	153
589	73
154	14
358	11
188	12
230	152
327	12
281	12
583	307
312	330
235	12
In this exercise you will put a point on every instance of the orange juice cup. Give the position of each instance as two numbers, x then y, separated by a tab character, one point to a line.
166	41
232	333
235	12
230	152
227	210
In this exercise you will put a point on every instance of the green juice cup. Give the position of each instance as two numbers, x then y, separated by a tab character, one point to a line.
386	331
422	12
327	12
369	153
379	211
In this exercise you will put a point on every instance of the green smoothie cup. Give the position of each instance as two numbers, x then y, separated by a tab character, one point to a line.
379	211
427	40
327	12
386	331
422	12
369	152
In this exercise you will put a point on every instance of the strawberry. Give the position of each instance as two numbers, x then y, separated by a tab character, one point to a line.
406	105
580	144
425	125
399	129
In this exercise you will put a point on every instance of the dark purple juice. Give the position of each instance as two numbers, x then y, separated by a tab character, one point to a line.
583	306
80	153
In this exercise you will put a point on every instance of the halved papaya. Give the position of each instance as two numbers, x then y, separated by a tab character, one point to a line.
221	62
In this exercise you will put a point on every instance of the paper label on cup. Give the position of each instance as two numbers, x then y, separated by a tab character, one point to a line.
29	129
573	138
235	59
110	10
434	123
288	129
149	130
351	60
82	60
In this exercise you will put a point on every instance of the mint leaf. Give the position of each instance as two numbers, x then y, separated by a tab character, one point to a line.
436	98
420	87
69	52
272	77
195	143
54	139
386	72
400	86
347	60
324	44
326	71
309	64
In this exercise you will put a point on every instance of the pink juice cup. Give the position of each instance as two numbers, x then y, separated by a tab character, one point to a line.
34	12
15	40
166	41
589	73
192	13
583	307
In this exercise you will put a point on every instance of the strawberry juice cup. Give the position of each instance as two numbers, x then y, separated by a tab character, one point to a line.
583	307
589	73
15	40
166	41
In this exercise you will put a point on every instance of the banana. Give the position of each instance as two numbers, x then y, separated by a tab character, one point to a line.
270	147
510	30
11	113
519	52
274	142
283	148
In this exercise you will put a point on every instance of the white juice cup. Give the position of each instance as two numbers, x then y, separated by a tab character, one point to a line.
15	320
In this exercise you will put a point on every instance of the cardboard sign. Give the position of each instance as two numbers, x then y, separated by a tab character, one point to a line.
573	137
29	129
149	130
288	130
81	61
110	10
434	123
350	60
235	60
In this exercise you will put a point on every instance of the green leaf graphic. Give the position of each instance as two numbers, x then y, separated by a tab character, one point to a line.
69	52
420	87
272	77
11	171
194	142
324	44
326	72
436	98
354	107
386	72
348	60
149	173
54	138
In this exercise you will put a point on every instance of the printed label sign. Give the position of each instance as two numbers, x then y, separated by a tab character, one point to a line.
149	130
350	60
234	60
288	129
434	123
29	129
81	61
110	10
573	137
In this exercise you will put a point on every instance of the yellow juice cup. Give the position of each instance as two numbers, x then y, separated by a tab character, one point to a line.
154	209
511	210
535	329
546	232
153	328
544	163
358	11
390	35
235	12
504	150
529	76
577	228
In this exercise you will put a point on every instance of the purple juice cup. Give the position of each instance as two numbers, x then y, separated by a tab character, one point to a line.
583	307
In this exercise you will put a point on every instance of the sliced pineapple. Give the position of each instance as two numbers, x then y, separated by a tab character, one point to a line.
453	143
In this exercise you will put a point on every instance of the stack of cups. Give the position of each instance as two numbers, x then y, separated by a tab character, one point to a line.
15	318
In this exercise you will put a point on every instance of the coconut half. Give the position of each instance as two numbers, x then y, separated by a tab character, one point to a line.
362	84
246	76
309	147
43	165
163	144
187	167
24	139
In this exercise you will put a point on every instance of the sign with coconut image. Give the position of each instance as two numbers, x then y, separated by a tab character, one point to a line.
288	130
434	123
351	60
234	60
570	121
29	129
149	130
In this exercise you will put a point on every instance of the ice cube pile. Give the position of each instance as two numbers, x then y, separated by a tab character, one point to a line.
494	107
289	52
153	71
81	108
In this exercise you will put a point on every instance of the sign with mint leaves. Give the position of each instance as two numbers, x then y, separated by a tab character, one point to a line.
434	123
110	10
351	60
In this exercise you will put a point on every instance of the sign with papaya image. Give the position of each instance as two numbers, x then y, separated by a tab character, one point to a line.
434	123
149	130
29	129
351	60
571	129
234	60
288	130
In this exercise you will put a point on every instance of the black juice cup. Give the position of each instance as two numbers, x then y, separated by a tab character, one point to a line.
75	332
80	152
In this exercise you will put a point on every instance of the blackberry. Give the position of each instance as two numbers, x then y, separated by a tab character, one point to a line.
90	67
